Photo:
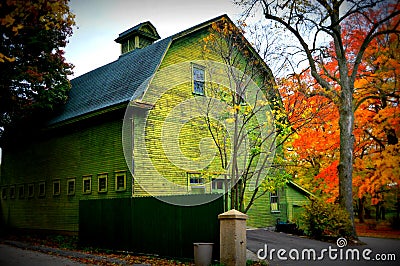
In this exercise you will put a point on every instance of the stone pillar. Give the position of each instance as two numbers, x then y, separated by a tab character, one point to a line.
233	238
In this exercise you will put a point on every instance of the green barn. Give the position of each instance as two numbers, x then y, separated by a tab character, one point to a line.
82	152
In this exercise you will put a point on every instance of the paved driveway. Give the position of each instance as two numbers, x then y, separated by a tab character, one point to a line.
11	256
267	243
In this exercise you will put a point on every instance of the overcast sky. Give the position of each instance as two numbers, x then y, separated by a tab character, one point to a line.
100	21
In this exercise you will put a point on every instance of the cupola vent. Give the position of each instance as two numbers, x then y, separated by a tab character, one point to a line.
140	36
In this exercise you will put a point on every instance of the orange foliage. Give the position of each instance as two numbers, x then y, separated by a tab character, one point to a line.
315	148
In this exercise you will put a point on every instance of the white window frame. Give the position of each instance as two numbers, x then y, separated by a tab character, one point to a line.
196	79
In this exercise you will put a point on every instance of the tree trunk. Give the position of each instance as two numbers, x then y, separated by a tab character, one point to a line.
345	167
361	209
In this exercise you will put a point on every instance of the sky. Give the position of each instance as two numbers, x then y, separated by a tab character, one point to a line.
100	21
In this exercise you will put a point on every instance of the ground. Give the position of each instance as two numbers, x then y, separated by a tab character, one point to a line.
63	250
372	228
265	242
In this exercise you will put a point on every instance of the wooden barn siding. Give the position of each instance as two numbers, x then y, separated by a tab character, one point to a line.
157	163
183	50
260	214
296	199
87	150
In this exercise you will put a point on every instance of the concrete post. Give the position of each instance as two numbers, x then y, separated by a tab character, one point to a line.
233	238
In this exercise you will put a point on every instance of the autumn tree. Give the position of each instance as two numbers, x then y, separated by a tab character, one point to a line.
316	24
315	149
247	138
33	80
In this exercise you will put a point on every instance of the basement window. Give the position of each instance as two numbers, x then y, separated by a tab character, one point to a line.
21	192
42	189
87	184
198	75
56	188
12	192
4	193
102	183
71	187
31	190
120	181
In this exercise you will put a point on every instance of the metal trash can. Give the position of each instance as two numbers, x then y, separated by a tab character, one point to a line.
203	253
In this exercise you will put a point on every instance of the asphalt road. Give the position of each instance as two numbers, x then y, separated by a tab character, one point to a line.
295	250
12	256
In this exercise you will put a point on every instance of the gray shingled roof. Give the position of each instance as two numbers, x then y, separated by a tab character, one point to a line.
113	83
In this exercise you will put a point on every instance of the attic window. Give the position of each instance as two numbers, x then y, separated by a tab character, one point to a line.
198	75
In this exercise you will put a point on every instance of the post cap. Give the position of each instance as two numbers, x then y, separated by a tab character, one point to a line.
232	214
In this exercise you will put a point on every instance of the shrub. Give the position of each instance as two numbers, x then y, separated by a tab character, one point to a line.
321	219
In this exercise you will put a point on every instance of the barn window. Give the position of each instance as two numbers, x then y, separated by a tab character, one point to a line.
102	183
87	184
31	190
21	191
120	181
12	192
71	187
274	200
56	187
4	193
198	75
42	189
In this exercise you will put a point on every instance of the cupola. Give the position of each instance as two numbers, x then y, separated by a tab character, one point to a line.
140	36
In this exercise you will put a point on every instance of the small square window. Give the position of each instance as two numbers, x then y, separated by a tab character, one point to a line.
71	187
102	183
218	184
31	190
198	76
42	189
4	193
120	181
21	191
196	179
56	187
12	192
87	184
